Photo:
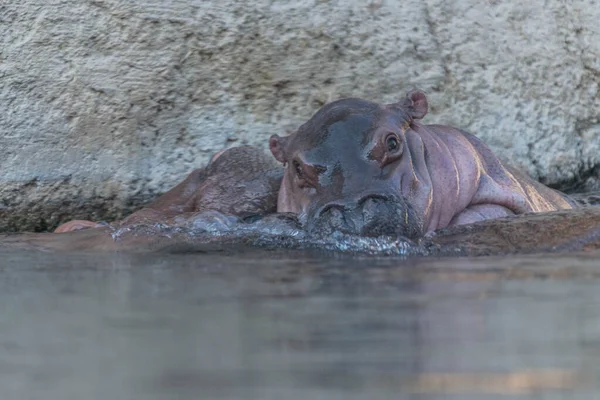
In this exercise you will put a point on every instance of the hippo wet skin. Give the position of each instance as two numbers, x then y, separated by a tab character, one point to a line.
360	168
369	169
556	231
241	181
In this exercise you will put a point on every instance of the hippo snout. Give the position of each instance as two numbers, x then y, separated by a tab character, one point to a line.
372	215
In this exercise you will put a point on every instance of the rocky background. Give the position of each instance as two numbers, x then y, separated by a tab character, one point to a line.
107	103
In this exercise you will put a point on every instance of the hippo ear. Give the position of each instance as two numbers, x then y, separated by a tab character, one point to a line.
277	146
416	104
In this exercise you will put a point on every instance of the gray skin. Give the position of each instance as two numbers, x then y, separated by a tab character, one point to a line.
369	169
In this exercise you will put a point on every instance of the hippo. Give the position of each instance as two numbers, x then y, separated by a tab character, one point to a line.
360	168
372	169
241	181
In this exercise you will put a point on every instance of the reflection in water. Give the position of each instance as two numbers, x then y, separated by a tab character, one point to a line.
516	382
264	325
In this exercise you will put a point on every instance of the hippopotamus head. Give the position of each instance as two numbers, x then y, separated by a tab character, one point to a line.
349	168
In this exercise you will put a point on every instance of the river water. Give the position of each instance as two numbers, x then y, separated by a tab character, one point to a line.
298	325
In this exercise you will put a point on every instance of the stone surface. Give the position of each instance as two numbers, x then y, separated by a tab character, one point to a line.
106	103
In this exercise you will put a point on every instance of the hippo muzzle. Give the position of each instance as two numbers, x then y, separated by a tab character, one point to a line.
371	215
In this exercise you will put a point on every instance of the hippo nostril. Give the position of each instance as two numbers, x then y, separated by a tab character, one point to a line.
336	217
374	199
333	213
373	206
332	209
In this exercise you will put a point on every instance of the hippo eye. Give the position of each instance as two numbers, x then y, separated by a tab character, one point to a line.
392	144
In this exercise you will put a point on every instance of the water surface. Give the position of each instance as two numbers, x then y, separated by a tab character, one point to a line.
298	325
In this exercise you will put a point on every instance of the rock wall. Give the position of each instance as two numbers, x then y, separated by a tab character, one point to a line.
106	103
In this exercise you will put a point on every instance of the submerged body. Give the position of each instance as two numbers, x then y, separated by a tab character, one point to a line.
241	181
557	231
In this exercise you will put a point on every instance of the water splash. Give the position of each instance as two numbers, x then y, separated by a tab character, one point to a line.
276	231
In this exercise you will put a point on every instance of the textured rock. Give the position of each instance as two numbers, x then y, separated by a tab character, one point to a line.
106	103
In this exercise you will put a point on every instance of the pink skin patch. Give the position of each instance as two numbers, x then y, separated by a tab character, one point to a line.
76	225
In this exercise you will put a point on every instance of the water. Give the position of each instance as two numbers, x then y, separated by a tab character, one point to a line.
295	325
